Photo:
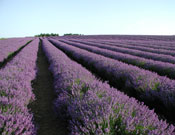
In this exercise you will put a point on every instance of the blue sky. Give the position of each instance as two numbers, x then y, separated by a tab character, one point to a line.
19	18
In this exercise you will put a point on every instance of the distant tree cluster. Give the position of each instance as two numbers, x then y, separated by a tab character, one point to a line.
70	34
53	34
46	35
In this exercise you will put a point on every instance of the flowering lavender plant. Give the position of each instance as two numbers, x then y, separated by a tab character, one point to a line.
8	46
16	92
147	55
162	68
93	107
124	44
155	90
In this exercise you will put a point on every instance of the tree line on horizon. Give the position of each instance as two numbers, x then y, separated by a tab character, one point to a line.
54	34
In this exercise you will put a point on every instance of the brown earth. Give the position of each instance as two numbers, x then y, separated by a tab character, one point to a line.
44	117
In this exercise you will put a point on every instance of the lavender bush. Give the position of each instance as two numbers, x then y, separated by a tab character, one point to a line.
155	90
140	43
149	44
141	48
16	92
92	106
147	55
162	68
8	46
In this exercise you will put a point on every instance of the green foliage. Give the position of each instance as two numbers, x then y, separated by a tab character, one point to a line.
156	85
101	94
2	38
54	34
84	89
5	108
3	93
141	63
46	35
77	81
133	113
10	54
71	34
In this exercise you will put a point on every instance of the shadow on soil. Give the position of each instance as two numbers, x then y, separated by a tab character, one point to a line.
44	116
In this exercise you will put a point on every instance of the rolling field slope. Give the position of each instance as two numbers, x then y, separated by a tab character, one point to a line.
87	85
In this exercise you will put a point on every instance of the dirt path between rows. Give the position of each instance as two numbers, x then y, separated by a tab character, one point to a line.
42	107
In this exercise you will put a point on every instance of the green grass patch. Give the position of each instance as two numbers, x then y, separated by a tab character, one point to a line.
2	38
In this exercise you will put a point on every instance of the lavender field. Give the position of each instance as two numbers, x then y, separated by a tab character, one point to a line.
87	85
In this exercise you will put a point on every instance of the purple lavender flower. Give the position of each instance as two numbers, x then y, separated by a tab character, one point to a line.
93	107
16	92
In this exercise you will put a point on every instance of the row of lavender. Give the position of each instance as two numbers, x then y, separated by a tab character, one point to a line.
147	55
8	46
92	107
154	90
171	50
151	43
145	44
16	92
162	68
155	44
150	38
